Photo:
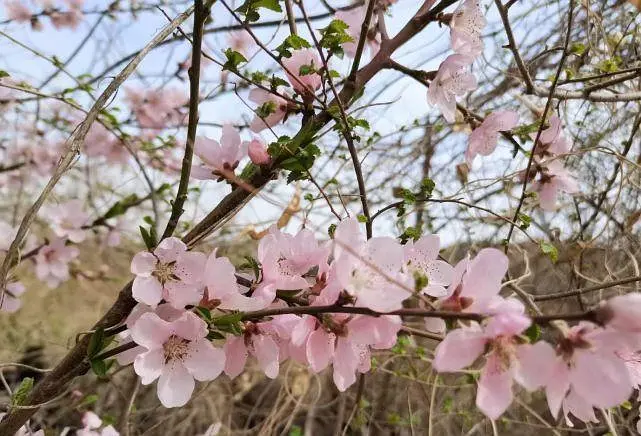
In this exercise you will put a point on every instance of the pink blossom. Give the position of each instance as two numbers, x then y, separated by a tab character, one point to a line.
286	258
171	273
91	423
156	108
507	359
484	138
258	152
369	271
303	83
272	106
622	312
554	179
552	141
344	342
67	220
452	79
222	288
70	19
354	19
112	238
16	10
421	258
177	353
101	142
266	341
164	311
10	301
219	159
476	283
587	373
465	28
52	262
240	41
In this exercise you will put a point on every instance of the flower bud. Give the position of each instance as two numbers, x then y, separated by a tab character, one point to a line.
258	153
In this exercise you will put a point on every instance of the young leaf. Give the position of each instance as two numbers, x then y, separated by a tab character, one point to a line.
549	250
20	394
234	59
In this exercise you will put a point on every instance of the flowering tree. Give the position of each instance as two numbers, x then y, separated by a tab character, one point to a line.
523	137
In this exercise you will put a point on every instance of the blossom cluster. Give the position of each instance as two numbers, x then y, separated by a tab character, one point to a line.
171	336
69	224
65	14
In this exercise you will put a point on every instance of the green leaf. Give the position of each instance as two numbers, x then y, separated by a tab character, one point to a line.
234	59
427	187
147	237
3	73
292	42
526	220
533	333
334	36
120	207
577	48
204	313
331	230
214	335
88	400
250	8
549	250
227	319
20	395
266	109
361	218
96	342
413	233
99	367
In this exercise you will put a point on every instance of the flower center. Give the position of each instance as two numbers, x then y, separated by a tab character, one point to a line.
164	272
175	348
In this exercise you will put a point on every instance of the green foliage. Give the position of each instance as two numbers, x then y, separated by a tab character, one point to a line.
96	342
3	73
427	187
149	236
101	367
250	8
266	109
20	394
413	233
331	230
361	218
229	323
525	221
291	43
523	132
533	333
299	165
549	250
120	207
234	59
610	65
334	36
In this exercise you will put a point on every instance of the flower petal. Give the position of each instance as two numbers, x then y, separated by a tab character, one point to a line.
175	385
205	362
